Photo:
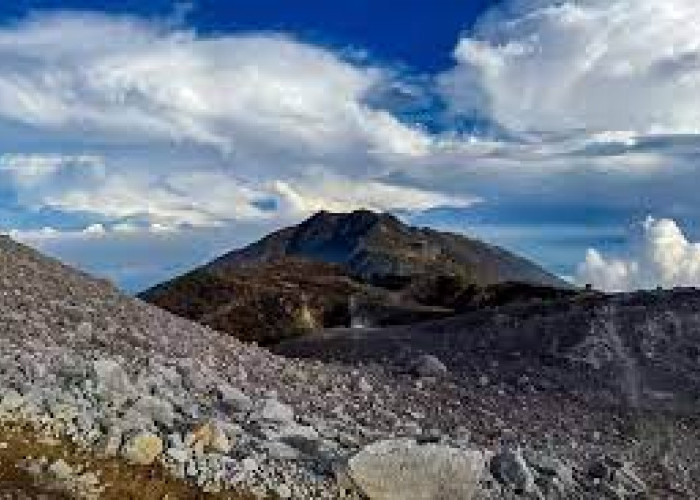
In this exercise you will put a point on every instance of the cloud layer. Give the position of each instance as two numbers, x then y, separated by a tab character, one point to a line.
664	257
217	121
596	65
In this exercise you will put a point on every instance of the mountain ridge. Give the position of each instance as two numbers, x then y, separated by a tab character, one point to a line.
357	238
339	269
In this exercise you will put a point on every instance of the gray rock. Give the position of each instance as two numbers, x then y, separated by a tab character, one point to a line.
303	438
283	491
280	451
233	399
427	365
510	468
249	464
405	470
630	482
276	412
555	477
111	377
179	455
547	465
363	385
616	478
11	401
158	410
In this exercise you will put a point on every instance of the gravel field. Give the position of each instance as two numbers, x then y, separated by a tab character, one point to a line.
124	379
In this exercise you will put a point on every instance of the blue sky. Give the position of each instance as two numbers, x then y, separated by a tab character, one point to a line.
420	34
140	138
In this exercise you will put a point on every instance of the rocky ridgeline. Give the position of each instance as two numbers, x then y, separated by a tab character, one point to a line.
79	360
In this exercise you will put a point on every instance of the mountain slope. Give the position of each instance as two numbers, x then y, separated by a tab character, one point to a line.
81	362
378	248
339	269
643	348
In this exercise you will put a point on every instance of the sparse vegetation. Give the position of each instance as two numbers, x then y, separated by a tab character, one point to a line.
23	450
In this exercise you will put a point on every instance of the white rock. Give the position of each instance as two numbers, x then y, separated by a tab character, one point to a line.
404	470
363	385
233	399
179	455
143	448
275	411
280	451
156	409
283	491
61	470
249	464
111	377
114	442
11	401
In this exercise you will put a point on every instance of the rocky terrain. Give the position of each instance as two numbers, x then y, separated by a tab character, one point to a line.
287	297
643	347
118	379
343	269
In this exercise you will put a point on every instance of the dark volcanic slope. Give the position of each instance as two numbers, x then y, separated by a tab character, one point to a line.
280	299
332	269
378	248
641	348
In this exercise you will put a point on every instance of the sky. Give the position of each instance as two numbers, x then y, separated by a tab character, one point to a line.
141	138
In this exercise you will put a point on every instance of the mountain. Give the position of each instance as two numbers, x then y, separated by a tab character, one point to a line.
381	250
339	269
105	396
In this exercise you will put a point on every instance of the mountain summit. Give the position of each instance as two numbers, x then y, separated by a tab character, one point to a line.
380	249
359	268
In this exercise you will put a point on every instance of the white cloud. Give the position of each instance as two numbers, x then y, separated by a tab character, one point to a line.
596	65
665	258
151	132
118	75
191	130
194	199
343	195
28	170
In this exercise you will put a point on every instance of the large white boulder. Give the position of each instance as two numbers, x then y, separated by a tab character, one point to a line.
143	448
405	470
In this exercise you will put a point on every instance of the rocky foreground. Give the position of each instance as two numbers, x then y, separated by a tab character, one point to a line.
119	378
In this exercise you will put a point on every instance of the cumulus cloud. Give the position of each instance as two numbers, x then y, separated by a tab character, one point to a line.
665	257
597	65
191	130
229	92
